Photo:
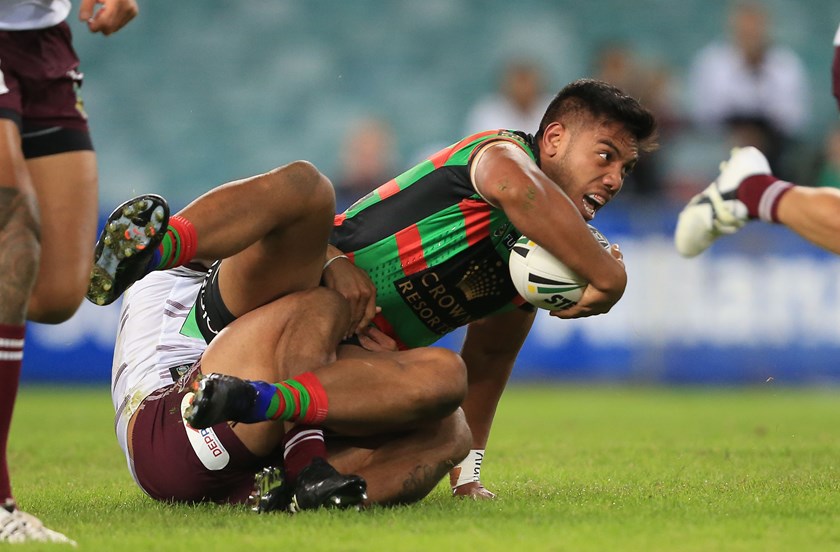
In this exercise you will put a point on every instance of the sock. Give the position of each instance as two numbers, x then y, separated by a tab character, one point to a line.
299	399
302	444
177	247
11	355
761	194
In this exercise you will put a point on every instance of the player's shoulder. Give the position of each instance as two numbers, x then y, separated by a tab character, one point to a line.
511	139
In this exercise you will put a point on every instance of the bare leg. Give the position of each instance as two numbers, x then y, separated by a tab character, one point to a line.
369	393
271	229
404	468
19	254
66	187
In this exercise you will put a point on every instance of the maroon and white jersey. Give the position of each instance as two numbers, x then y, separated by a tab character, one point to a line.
26	15
150	345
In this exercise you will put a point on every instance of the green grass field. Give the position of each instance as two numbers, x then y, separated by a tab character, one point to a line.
576	468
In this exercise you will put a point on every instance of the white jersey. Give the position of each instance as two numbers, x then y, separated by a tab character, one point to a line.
26	15
150	343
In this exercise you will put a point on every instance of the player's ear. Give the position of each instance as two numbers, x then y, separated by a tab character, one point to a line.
553	137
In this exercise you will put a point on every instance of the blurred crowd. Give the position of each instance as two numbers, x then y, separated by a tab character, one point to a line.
743	88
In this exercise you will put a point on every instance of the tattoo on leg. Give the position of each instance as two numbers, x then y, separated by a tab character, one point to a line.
421	480
19	252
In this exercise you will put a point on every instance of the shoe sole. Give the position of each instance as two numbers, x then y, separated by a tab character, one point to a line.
195	413
350	495
124	236
270	493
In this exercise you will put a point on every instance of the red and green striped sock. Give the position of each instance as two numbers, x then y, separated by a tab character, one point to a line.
299	399
177	247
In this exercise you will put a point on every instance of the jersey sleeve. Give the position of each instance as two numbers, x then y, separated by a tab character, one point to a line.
479	150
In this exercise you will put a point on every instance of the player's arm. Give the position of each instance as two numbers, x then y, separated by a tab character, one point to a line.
489	351
354	284
508	178
812	213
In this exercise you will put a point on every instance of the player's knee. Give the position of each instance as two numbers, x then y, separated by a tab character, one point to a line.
323	303
55	305
307	182
324	311
20	234
445	383
57	297
20	225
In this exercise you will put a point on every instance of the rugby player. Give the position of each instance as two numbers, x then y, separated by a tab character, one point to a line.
746	190
260	314
48	195
427	252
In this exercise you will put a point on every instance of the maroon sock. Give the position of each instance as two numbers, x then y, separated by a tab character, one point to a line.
761	194
303	444
11	355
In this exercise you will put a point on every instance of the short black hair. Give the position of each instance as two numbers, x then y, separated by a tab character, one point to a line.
603	101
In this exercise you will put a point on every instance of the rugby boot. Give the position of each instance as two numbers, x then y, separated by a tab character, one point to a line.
221	398
717	211
271	492
125	246
19	527
321	485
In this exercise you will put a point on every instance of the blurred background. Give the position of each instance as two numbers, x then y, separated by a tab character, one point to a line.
193	94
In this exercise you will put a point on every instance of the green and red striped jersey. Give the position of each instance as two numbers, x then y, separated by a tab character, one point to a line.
435	249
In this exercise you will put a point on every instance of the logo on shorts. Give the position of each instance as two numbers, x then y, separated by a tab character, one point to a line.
206	444
77	79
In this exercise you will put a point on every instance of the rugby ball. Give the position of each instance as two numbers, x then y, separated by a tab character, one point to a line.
542	279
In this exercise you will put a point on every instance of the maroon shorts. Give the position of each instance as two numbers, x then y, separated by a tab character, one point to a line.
175	462
39	90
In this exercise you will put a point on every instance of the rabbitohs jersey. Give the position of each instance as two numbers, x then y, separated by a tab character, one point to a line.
435	249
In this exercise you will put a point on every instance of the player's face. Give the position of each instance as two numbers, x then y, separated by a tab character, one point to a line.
590	162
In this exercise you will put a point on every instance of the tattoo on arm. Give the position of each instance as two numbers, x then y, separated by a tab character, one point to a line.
530	196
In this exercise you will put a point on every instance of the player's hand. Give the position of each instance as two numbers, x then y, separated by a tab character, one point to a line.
593	301
356	286
111	16
474	490
374	339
